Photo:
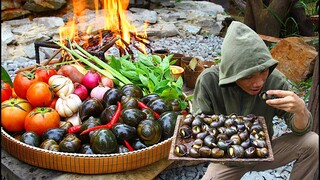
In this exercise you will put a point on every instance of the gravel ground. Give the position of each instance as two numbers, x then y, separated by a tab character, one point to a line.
205	48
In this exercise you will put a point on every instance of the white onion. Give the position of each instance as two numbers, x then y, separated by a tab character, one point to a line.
99	91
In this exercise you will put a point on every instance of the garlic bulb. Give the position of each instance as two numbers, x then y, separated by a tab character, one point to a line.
74	119
61	85
67	106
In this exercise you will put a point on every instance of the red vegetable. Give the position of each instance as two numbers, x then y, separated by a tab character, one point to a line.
45	72
81	91
113	121
71	72
128	145
91	79
107	82
116	115
74	129
22	81
141	105
6	91
184	112
99	91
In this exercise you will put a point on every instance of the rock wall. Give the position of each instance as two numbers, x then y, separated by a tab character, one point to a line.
13	9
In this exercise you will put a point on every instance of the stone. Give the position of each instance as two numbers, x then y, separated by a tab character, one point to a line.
36	33
6	34
18	22
191	29
163	30
44	5
13	13
145	15
9	4
30	51
15	52
296	58
19	30
49	21
3	50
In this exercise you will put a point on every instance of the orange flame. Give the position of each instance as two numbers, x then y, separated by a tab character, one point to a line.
115	20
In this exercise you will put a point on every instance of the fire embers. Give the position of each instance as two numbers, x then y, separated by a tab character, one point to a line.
221	136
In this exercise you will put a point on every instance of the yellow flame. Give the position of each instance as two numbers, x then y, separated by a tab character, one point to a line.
115	20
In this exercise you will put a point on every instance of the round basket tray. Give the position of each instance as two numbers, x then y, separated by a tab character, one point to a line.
84	163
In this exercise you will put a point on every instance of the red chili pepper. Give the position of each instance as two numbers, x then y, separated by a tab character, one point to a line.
74	129
116	115
141	105
128	146
113	121
184	112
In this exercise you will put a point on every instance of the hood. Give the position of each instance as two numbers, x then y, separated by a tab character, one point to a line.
243	52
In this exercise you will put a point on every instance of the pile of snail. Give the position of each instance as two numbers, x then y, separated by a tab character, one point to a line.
221	136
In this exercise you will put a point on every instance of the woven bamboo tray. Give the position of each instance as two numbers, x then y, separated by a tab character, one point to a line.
84	163
235	161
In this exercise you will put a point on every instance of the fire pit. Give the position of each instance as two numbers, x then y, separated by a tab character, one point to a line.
116	32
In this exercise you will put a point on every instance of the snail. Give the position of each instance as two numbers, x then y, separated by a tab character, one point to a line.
264	96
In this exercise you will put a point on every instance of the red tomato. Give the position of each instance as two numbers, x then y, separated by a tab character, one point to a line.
39	94
6	91
14	95
41	119
23	81
53	104
13	113
45	72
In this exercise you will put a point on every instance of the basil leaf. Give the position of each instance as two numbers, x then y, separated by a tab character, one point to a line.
133	75
158	72
114	63
146	62
142	67
162	84
179	82
157	59
165	64
127	65
144	80
170	93
151	86
153	78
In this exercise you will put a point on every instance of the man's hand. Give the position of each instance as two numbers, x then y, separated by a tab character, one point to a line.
287	101
290	102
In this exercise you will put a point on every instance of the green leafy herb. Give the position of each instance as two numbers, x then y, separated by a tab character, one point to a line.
5	76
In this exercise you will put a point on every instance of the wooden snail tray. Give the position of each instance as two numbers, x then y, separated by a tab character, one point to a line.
187	141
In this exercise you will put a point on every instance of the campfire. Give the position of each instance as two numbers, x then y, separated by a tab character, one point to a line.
116	31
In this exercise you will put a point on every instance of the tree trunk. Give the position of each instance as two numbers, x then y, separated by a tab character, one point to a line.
267	19
241	5
313	105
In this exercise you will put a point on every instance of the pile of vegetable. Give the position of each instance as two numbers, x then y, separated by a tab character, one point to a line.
87	105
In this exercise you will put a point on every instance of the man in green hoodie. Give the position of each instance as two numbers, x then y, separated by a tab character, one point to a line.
246	69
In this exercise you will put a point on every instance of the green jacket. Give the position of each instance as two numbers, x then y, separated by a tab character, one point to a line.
243	53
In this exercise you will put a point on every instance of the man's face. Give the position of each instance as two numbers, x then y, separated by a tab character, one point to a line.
253	83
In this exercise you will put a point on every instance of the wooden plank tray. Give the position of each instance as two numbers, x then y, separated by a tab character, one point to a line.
176	140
